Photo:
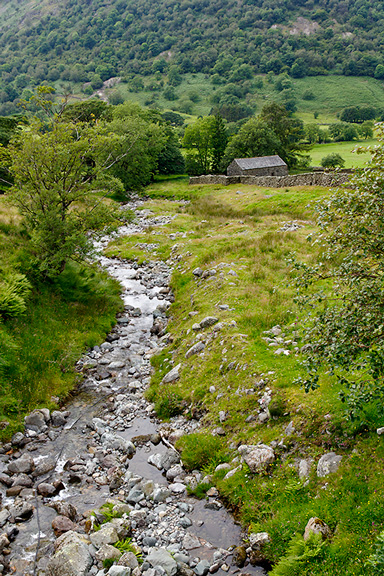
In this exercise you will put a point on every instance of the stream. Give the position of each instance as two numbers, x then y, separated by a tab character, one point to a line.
97	447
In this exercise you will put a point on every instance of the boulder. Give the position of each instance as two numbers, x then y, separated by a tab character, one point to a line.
65	509
328	464
208	321
106	535
128	560
43	467
117	442
61	525
162	558
202	568
37	420
22	465
195	349
46	490
257	457
107	552
317	526
239	556
172	375
72	557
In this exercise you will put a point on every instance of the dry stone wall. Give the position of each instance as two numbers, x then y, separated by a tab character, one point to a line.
307	179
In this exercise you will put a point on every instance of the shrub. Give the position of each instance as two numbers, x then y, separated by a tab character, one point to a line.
168	403
333	161
308	95
277	406
200	450
14	289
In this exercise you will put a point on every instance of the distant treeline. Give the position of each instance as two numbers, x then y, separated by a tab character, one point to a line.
89	42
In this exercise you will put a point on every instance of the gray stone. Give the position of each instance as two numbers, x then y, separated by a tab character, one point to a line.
304	467
317	526
35	421
107	552
195	349
202	568
173	472
22	480
46	489
197	272
190	541
149	541
257	457
380	431
106	535
185	522
208	321
119	571
72	557
172	376
116	442
258	539
23	465
129	560
160	494
169	459
4	515
43	467
59	418
135	495
4	542
178	488
328	464
162	558
17	439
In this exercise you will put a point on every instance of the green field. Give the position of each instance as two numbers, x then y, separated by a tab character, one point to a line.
345	149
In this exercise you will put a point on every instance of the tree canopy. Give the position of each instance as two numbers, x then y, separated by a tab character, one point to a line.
343	293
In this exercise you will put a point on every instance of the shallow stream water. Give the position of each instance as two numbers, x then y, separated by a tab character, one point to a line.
215	528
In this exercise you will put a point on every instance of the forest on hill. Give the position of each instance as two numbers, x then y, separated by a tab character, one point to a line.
77	41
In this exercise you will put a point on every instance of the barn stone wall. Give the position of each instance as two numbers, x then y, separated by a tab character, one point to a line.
307	179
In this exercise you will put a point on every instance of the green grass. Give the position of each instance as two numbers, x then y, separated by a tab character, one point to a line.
345	149
222	230
63	318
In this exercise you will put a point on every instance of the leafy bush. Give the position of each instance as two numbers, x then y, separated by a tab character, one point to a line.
333	161
376	560
200	450
300	553
14	289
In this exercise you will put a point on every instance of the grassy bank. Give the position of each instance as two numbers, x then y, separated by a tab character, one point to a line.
63	318
237	235
345	149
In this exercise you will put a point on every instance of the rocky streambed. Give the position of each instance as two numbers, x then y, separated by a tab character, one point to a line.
79	482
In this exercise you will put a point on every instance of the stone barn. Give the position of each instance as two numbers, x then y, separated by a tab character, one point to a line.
260	166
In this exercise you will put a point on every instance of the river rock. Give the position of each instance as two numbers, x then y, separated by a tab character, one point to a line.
119	571
72	557
169	459
328	464
23	465
258	539
106	535
18	439
239	556
161	557
195	349
190	541
116	442
36	420
59	418
43	467
174	472
257	457
22	511
22	480
4	542
317	526
62	524
161	494
129	560
202	568
45	489
172	375
4	515
107	552
65	509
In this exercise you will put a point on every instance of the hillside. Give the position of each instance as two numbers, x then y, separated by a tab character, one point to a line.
88	42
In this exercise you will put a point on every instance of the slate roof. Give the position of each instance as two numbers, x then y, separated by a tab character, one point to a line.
259	162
